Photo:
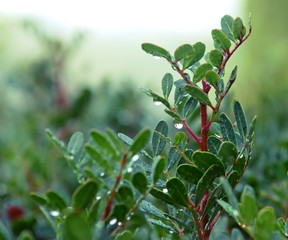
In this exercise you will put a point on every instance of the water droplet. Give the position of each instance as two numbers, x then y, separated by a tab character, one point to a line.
119	223
178	125
157	103
102	174
135	158
98	198
165	190
113	221
128	218
171	232
156	57
109	192
54	213
130	169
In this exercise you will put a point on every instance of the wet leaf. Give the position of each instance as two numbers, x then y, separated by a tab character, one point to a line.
76	228
75	143
178	191
227	129
221	39
167	84
190	106
189	173
205	160
156	50
195	56
140	141
55	200
200	72
227	27
140	182
158	143
198	94
216	57
158	168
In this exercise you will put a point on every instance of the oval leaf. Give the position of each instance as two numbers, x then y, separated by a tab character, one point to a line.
157	168
178	191
140	182
158	143
55	200
198	51
140	141
162	196
216	57
190	106
156	50
205	160
167	84
240	120
212	77
75	143
200	72
183	51
227	27
221	39
198	94
189	173
227	129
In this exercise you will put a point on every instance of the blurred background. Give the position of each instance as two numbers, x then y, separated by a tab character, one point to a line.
76	66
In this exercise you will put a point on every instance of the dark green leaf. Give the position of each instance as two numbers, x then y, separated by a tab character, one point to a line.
167	84
161	196
183	51
230	194
233	178
178	191
55	200
156	50
103	143
221	39
239	167
24	235
76	228
265	223
119	212
248	206
158	143
215	129
115	139
251	129
174	115
92	214
179	138
180	83
179	95
59	144
228	153
231	79
125	195
84	194
236	234
39	198
140	182
161	224
237	28
157	168
200	72
126	235
205	160
189	173
212	78
227	129
140	141
196	55
214	144
216	58
198	94
173	157
206	181
75	143
227	27
240	120
148	207
190	106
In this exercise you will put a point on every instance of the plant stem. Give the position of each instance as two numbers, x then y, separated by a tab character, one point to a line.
113	191
190	131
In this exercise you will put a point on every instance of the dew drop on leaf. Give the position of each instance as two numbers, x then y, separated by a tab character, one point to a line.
135	158
129	170
165	190
98	198
54	213
113	221
102	174
156	57
177	124
157	103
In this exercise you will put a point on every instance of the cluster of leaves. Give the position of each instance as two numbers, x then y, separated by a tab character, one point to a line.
118	175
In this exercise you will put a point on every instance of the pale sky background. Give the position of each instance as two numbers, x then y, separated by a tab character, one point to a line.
121	26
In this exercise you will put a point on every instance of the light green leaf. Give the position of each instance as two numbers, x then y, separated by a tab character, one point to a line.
148	207
200	72
221	39
227	129
39	198
236	234
178	191
84	195
190	106
189	173
140	141
75	143
248	206
156	97
229	209
55	200
212	78
167	84
265	223
230	194
196	55
237	28
179	138
158	143
183	51
227	27
103	143
156	50
216	57
198	94
126	235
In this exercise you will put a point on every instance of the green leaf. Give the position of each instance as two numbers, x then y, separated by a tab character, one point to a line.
213	144
229	209
190	106
205	160
179	95
206	181
162	196
156	50
173	157
200	72
39	198
157	168
228	153
156	97
252	129
76	228
212	78
216	58
167	84
240	120
140	141
232	79
227	27
55	200
183	51
180	83
237	28
58	143
126	235
248	206
84	195
230	194
227	129
129	141
4	234
75	143
265	223
179	138
140	182
236	234
239	166
119	212
158	143
148	207
174	115
221	39
195	56
103	143
25	235
178	191
125	195
198	94
93	210
115	139
189	173
162	225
